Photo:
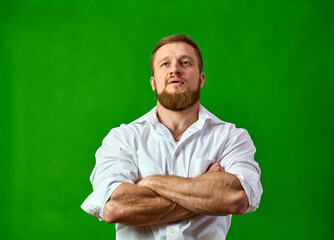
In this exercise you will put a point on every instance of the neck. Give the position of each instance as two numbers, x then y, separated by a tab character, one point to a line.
177	121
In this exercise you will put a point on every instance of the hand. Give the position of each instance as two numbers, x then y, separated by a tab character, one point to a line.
145	182
215	167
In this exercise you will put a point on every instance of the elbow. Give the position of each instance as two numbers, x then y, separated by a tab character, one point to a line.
108	218
236	203
110	213
239	204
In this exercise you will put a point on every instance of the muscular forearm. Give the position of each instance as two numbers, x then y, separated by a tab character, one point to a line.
214	193
133	205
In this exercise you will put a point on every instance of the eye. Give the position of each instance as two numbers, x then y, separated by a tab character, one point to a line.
165	64
186	63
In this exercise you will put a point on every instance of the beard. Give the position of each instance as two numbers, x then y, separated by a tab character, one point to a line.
178	101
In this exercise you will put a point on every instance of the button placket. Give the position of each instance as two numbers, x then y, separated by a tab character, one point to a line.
173	233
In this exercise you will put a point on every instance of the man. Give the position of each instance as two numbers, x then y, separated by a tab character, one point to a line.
177	172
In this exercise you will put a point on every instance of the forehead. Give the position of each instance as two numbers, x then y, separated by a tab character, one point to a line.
174	50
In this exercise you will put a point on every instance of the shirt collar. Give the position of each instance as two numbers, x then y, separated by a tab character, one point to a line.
203	116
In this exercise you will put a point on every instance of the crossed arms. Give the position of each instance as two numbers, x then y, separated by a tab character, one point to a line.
160	199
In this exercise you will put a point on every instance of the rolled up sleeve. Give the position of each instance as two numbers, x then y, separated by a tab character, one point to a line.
238	159
114	165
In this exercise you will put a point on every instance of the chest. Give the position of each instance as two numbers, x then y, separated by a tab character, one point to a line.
190	157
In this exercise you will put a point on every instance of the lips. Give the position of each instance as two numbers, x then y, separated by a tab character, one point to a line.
175	81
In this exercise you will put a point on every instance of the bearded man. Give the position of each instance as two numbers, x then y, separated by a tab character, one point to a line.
178	172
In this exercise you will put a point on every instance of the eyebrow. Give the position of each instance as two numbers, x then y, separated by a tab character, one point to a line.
180	57
163	59
186	56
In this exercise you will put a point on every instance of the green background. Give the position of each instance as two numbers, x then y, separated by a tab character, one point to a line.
72	70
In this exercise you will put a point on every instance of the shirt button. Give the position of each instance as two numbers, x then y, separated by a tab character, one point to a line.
177	154
172	230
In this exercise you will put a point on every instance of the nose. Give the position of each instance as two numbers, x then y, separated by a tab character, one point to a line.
175	69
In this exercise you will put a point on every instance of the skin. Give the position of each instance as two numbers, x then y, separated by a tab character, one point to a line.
134	205
175	69
217	193
160	199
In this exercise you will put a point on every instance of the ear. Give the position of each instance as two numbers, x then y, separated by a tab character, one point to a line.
152	83
202	79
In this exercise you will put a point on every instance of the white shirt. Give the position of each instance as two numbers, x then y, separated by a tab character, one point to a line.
146	147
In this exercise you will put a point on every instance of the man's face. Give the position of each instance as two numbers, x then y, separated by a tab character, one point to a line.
177	80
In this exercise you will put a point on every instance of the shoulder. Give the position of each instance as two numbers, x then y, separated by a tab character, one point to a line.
219	126
131	131
210	120
232	131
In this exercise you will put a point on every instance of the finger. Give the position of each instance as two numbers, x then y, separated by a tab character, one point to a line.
208	168
213	167
216	168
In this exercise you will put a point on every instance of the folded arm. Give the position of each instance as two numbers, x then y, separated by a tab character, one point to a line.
133	205
213	193
161	199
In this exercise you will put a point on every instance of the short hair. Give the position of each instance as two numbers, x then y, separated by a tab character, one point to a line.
177	38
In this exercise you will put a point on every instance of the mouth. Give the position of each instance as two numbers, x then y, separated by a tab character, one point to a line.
175	81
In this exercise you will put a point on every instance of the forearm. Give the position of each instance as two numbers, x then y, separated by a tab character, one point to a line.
215	193
134	206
